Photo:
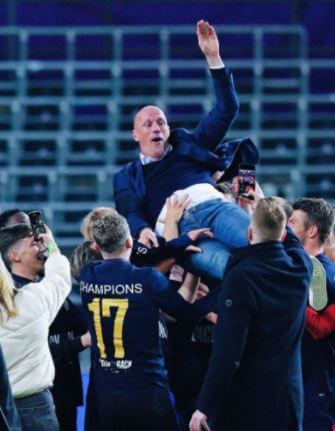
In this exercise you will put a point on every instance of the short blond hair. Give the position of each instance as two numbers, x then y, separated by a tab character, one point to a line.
96	214
268	220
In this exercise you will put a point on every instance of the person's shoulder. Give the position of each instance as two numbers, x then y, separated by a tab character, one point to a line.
238	273
126	168
240	258
177	134
328	265
92	264
88	269
30	297
325	260
152	280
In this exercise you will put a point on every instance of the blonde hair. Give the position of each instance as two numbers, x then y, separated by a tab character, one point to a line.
268	220
7	292
96	214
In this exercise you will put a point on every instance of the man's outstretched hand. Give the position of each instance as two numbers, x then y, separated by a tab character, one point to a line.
148	238
196	234
209	43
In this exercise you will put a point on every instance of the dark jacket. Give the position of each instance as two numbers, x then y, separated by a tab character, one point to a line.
199	145
318	366
65	344
254	377
9	417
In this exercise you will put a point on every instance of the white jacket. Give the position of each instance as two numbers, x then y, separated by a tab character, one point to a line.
24	337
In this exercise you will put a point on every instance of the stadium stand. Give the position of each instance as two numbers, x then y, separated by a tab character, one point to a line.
68	95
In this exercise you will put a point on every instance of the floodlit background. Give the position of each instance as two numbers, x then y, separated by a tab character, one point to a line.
73	72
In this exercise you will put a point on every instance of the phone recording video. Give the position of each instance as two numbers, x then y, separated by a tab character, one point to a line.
246	179
37	223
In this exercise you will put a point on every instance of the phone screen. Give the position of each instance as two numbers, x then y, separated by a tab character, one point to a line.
37	222
246	178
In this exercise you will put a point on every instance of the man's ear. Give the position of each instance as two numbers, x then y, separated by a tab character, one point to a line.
94	246
135	136
283	235
13	256
129	243
250	234
313	231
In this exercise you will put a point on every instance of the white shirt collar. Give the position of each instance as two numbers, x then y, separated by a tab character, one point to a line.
145	160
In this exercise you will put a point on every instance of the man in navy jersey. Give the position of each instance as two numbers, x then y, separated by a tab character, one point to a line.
183	161
129	377
312	221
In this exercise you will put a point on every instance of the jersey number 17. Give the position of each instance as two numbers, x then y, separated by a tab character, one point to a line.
104	305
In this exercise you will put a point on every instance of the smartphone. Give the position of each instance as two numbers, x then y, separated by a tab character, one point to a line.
37	223
246	178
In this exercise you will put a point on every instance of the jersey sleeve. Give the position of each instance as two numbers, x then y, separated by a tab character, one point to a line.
168	300
320	324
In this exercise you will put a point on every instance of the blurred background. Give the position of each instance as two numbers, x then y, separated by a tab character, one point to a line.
73	72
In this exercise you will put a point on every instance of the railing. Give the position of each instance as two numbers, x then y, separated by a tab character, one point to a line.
68	96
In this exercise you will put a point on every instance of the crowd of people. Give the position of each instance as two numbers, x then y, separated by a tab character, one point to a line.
204	307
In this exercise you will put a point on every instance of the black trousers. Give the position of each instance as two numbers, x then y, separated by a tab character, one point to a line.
149	410
67	417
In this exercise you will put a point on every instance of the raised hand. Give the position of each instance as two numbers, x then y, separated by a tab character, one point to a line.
175	207
196	234
209	43
202	232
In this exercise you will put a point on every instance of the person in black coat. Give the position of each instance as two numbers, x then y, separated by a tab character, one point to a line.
68	335
254	377
9	417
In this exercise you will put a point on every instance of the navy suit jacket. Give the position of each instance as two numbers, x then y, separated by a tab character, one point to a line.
254	376
199	145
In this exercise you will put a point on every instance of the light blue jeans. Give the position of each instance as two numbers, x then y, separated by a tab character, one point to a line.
229	224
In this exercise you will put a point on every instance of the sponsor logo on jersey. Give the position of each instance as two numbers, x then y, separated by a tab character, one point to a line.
203	334
124	364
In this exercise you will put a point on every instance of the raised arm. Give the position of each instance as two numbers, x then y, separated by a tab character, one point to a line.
212	129
174	304
55	286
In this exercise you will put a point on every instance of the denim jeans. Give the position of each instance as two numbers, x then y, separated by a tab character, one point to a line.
229	224
37	412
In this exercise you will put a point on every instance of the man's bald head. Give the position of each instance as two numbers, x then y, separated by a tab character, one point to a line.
147	110
151	131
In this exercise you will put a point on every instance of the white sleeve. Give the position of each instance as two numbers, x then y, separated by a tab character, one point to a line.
55	286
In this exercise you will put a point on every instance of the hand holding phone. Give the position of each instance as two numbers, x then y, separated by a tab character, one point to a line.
246	179
37	223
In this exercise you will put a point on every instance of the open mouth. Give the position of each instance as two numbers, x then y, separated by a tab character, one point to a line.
157	139
43	255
